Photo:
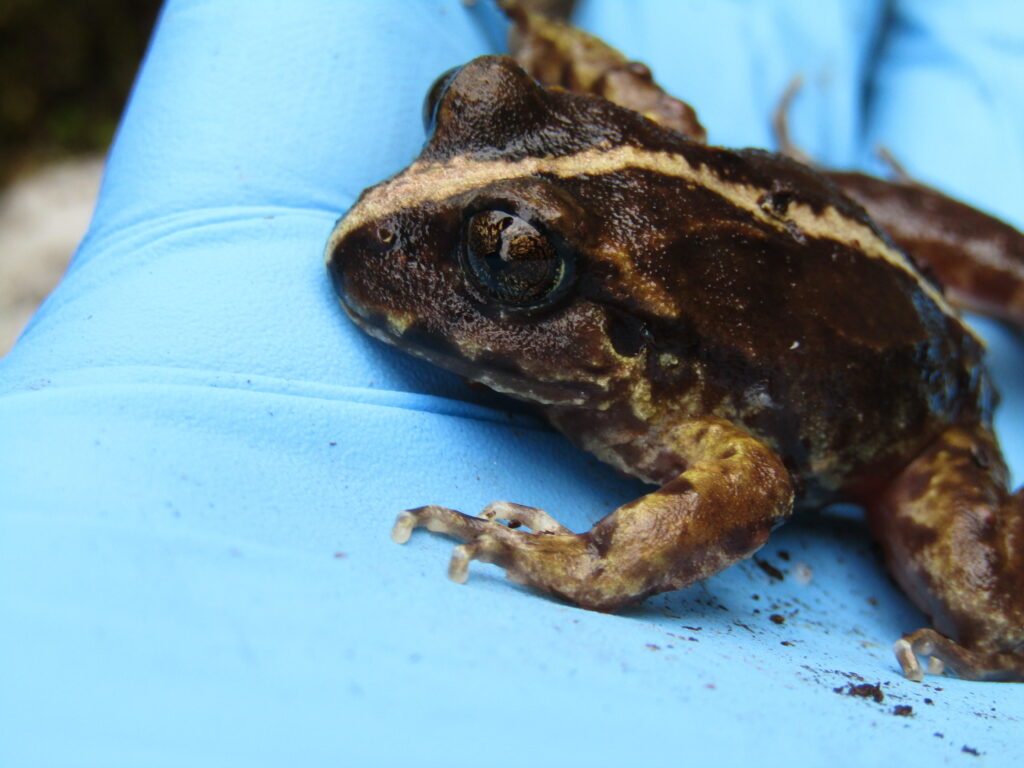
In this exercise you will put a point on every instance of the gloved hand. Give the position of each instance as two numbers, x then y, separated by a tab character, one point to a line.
200	457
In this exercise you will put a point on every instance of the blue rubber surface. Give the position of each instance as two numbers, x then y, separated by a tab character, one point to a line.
200	458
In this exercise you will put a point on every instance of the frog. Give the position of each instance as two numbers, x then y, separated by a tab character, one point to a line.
724	324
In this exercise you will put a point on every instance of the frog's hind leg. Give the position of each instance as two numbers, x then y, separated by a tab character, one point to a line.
720	509
953	537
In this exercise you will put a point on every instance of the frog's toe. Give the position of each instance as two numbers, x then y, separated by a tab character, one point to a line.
943	653
485	548
403	527
516	515
439	520
466	527
906	654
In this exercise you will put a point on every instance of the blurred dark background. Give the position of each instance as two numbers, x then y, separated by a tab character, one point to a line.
66	67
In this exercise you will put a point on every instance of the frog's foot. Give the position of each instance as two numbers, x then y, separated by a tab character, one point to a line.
720	510
942	654
550	556
952	536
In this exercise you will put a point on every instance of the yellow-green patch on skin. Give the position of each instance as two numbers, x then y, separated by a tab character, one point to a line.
398	322
643	288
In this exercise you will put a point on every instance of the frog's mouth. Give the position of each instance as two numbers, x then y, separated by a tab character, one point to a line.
491	373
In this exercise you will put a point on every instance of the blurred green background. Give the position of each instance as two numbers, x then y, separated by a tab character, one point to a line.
66	67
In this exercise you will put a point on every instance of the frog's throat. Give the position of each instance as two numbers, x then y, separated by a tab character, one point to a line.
424	182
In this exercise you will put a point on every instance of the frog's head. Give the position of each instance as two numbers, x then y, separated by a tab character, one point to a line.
493	254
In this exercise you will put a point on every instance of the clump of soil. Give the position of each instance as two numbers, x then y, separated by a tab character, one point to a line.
863	690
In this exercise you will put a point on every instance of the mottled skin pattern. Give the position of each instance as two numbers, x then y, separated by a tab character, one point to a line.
723	324
953	539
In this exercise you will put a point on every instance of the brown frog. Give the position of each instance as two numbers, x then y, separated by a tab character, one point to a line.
726	325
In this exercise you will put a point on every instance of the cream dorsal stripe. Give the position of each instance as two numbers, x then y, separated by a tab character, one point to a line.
423	182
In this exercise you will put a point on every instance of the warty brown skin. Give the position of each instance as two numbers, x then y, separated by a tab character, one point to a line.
724	324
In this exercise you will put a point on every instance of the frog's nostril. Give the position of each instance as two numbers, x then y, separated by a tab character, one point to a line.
370	240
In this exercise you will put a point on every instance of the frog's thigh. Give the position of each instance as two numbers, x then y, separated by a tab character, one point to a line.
719	510
953	536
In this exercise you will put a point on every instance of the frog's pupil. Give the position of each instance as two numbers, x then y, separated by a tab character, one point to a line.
511	260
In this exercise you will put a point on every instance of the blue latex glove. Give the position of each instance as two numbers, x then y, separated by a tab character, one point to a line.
200	457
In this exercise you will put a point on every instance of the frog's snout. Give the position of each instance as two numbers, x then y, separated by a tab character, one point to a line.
355	256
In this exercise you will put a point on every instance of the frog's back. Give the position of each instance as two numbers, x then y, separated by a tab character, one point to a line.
770	299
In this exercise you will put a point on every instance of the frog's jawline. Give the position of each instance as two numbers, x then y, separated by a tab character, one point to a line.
517	386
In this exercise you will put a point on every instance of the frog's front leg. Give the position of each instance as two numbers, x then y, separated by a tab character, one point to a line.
720	509
953	536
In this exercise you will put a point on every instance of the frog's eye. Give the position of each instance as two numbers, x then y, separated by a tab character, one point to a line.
511	261
434	97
